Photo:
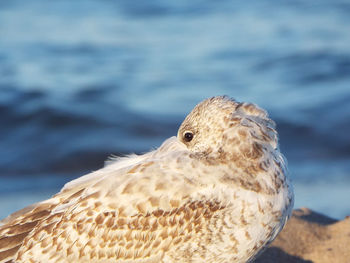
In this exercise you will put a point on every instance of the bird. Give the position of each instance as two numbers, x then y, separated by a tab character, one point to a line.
219	191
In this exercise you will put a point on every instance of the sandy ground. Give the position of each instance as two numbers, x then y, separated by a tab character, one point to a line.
310	237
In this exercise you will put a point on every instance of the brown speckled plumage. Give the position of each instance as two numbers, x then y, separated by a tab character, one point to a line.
219	196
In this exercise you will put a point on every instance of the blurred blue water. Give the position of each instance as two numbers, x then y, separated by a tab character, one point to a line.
80	80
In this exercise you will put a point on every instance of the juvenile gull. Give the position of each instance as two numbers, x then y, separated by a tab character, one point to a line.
218	192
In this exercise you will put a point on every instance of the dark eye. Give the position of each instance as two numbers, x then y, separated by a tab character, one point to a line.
188	136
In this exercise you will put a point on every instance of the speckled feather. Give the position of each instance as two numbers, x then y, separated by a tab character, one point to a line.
221	197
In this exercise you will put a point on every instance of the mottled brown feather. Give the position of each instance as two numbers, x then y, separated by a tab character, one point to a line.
7	255
16	227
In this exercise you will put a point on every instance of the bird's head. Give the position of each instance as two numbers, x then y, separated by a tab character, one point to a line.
221	128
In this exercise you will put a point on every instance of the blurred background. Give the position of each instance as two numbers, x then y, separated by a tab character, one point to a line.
83	79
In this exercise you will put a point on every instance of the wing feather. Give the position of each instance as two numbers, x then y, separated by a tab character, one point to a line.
137	209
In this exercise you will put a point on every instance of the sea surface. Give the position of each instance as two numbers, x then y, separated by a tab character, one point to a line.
81	80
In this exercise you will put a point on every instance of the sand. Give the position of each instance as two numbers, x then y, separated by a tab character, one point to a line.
310	237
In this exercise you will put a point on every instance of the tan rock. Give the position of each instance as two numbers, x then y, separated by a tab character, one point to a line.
310	237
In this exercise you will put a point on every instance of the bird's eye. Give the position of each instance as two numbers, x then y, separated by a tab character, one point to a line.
188	136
